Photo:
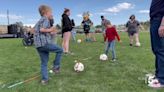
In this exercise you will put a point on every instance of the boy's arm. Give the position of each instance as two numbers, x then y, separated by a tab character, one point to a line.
48	30
161	28
118	37
44	27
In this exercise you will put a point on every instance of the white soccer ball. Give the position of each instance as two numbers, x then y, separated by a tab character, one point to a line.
138	44
79	41
79	67
51	71
150	79
103	57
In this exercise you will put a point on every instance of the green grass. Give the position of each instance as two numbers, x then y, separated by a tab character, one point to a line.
18	63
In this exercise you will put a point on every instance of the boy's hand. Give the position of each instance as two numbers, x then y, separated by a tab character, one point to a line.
53	33
120	41
161	29
54	29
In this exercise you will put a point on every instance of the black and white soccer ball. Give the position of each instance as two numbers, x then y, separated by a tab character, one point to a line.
150	79
79	67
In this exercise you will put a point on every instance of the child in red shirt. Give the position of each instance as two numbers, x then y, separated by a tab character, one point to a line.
110	36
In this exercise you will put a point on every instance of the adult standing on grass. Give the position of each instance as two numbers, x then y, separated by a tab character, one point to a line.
133	30
103	22
66	30
157	40
44	44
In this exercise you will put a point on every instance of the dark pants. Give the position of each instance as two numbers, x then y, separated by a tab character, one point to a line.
158	49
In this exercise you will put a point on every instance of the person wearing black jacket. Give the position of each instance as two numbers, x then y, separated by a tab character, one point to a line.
66	30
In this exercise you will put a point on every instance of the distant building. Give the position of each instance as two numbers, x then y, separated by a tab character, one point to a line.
3	29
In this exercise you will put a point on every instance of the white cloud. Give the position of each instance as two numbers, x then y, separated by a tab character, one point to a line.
81	15
32	25
144	11
3	16
102	13
12	16
119	7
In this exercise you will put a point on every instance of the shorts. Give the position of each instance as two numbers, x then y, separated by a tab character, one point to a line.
86	31
131	33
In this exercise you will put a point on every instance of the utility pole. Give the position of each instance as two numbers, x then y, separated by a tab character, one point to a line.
8	19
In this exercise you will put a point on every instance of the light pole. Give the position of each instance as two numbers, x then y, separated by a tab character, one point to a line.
8	19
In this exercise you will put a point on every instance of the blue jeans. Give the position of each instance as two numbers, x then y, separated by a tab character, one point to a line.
44	56
157	44
111	46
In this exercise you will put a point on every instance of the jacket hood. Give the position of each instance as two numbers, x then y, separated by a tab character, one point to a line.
64	15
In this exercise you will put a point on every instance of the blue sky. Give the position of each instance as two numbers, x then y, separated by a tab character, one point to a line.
118	11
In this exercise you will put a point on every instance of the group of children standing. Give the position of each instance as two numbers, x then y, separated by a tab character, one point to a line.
44	34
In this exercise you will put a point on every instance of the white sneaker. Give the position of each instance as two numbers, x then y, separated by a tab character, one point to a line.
156	84
113	60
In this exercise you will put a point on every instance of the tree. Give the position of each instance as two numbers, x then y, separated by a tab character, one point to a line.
98	26
58	26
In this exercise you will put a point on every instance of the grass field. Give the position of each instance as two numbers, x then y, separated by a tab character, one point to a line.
126	75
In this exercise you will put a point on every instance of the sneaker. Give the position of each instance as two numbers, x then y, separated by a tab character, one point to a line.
69	53
44	82
56	71
131	44
156	85
113	60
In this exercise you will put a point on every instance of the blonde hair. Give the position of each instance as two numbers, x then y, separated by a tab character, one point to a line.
43	9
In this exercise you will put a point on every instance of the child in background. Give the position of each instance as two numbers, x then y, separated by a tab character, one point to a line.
92	33
73	32
86	23
43	43
54	35
110	35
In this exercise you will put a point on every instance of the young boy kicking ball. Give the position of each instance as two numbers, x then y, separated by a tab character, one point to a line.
43	42
110	35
